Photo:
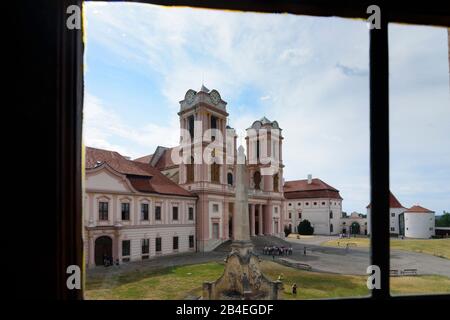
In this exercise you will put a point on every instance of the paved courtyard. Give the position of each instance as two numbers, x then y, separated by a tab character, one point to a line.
356	260
320	258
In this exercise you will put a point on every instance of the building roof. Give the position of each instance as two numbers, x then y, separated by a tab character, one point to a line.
263	122
419	209
301	189
160	159
393	202
144	159
204	89
142	176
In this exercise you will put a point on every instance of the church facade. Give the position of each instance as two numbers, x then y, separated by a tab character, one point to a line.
181	199
206	167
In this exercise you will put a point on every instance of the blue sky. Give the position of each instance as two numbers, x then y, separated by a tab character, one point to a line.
308	73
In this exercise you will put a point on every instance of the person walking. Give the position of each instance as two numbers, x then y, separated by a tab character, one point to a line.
304	251
294	289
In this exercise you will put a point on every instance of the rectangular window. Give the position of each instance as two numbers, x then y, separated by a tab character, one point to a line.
144	211
103	210
158	244
392	229
175	243
158	213
191	213
215	208
191	241
125	211
145	246
126	248
215	230
174	213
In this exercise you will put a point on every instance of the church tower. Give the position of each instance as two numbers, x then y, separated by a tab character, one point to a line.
265	162
204	139
210	145
265	166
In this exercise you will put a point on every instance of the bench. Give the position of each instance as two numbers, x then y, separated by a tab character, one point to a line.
394	273
409	272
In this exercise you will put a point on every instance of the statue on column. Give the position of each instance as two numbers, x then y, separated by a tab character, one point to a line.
242	278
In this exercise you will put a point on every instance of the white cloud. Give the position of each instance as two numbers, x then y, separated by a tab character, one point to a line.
102	125
309	74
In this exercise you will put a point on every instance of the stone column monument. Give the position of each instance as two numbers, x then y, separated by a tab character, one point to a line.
242	278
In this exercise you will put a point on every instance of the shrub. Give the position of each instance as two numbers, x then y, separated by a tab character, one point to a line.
305	228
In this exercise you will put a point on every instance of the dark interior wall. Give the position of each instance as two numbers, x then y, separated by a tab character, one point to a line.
45	151
44	225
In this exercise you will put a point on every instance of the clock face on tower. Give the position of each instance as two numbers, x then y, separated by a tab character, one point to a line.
215	97
190	95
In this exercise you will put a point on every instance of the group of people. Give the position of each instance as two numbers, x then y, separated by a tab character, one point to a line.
108	261
279	251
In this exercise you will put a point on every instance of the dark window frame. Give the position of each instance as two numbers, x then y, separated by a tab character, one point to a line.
175	243
128	247
175	213
69	101
145	246
191	214
158	213
158	244
145	212
125	211
191	241
103	213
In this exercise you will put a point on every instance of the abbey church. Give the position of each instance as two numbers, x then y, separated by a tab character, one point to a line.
181	199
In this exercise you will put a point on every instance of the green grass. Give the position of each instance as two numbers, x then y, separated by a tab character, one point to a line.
183	281
435	247
420	285
161	284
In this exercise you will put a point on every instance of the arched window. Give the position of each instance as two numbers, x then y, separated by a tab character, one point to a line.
215	172
331	214
257	151
331	227
257	180
275	183
190	170
230	178
191	126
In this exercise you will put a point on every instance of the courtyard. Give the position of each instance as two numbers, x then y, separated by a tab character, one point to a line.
336	272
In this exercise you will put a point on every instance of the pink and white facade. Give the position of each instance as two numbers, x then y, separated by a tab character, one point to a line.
164	204
132	212
203	121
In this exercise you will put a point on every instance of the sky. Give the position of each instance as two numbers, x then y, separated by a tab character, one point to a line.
310	74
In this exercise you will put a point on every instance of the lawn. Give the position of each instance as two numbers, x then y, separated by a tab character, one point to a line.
436	247
186	281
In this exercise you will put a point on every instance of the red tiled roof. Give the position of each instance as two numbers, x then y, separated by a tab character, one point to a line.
418	209
144	159
301	189
142	176
114	159
393	202
165	161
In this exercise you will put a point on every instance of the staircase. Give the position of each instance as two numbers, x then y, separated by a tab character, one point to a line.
258	241
261	241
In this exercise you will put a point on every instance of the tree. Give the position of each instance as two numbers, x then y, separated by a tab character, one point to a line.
287	230
305	228
444	220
